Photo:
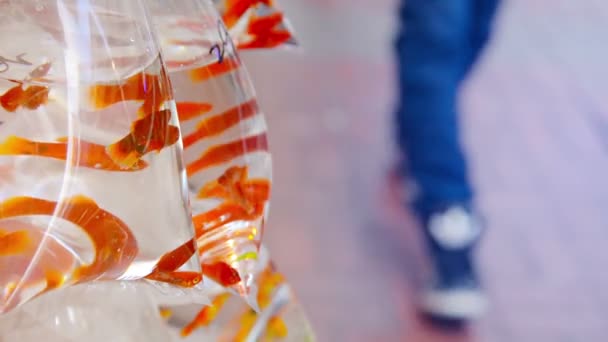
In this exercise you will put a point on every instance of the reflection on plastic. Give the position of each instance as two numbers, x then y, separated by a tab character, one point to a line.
224	139
228	318
94	312
93	184
129	311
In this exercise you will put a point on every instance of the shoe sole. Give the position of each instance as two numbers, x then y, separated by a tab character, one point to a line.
456	305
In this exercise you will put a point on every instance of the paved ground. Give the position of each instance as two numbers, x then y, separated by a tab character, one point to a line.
536	127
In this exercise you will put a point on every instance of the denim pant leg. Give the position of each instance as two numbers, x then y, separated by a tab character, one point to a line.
437	44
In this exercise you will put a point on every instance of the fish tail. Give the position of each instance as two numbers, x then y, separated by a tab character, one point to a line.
16	145
122	153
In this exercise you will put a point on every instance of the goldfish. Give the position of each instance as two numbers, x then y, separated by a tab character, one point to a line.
14	242
268	30
20	241
211	70
166	313
235	180
54	280
276	329
235	9
31	97
220	123
207	315
190	110
152	89
268	282
234	186
114	245
247	321
151	133
89	154
244	200
219	154
221	273
223	214
265	32
166	268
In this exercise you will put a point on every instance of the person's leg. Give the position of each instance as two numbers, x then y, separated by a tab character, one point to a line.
433	49
484	14
437	46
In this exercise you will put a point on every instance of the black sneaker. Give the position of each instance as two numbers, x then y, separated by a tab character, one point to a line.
455	293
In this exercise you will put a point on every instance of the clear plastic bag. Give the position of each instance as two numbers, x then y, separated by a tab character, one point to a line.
92	186
224	139
93	312
256	24
228	318
129	311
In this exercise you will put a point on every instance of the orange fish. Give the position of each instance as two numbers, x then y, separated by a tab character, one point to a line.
166	313
260	25
223	214
215	69
89	155
53	257
115	245
220	154
268	282
276	328
247	321
190	110
234	186
255	190
262	31
151	133
271	39
235	9
31	97
221	122
35	96
153	90
207	315
14	242
181	279
265	32
54	280
166	269
222	273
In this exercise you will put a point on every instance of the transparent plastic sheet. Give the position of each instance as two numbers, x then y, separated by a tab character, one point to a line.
224	137
229	318
129	311
93	312
256	24
92	184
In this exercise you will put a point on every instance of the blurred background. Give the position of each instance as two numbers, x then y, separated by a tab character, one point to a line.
535	127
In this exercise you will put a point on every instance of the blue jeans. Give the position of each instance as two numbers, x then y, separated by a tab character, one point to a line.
438	44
